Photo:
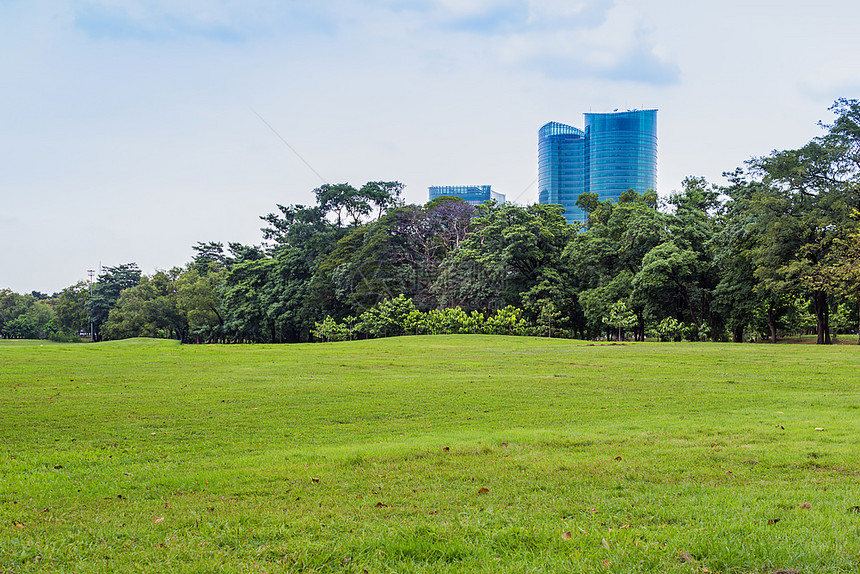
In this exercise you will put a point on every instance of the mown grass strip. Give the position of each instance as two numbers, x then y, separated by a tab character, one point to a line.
442	454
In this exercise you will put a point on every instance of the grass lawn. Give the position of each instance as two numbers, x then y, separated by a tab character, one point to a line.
429	454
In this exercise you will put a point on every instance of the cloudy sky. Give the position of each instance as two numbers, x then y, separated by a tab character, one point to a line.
132	129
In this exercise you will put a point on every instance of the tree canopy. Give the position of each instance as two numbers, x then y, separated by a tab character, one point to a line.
774	251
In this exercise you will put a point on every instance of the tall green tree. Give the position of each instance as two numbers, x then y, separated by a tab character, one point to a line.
71	308
198	298
509	251
805	207
12	305
148	309
106	291
603	259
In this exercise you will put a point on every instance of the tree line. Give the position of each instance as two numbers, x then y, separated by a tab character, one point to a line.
776	250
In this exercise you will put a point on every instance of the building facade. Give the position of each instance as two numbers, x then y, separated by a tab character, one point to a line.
474	194
616	152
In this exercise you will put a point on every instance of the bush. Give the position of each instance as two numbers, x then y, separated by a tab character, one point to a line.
507	321
59	337
399	316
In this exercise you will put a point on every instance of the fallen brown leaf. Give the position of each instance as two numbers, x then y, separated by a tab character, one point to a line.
483	490
566	536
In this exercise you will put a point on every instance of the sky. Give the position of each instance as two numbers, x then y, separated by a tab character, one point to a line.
131	130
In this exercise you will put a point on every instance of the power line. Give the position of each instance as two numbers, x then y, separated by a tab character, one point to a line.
528	187
292	149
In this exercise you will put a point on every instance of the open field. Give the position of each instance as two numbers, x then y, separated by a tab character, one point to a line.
429	454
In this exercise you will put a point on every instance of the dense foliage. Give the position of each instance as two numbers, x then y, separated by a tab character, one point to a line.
774	251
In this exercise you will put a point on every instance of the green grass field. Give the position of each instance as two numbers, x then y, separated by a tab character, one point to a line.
429	454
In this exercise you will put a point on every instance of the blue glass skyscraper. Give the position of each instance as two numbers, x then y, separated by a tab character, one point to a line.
616	152
561	164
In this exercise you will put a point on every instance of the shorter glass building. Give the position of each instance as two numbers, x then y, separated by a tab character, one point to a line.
474	194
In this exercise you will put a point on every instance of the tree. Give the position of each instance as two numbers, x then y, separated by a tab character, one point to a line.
670	269
839	272
244	299
385	195
71	308
148	309
400	253
509	249
343	201
737	294
199	299
34	323
804	208
12	305
423	237
106	291
602	260
209	256
621	317
25	317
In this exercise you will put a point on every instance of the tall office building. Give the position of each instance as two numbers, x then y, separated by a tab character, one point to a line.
616	152
474	194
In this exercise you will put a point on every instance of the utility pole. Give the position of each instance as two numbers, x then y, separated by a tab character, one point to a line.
91	272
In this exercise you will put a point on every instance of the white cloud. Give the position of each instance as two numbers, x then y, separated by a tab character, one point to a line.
130	129
569	13
612	46
225	21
